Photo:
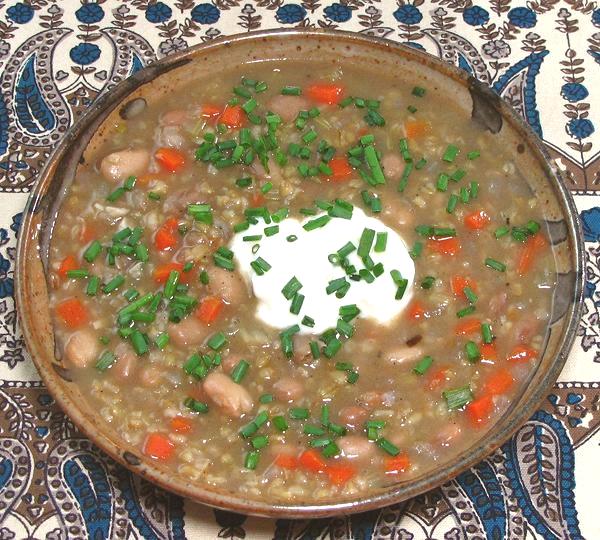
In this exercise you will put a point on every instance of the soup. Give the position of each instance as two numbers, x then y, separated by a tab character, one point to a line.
305	281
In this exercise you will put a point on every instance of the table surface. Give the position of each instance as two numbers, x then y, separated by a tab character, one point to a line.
57	56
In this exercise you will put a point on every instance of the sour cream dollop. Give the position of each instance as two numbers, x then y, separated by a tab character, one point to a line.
307	259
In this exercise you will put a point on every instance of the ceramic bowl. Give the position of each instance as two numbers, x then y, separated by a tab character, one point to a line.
149	85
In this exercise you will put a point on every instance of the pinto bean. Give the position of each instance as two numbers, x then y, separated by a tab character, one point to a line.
230	361
356	447
190	331
150	376
402	354
233	398
117	166
353	416
175	117
302	354
126	361
228	285
82	348
288	389
288	107
393	165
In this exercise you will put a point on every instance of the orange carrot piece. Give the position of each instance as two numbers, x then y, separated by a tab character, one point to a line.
397	464
180	424
477	220
416	310
68	263
479	410
341	170
312	461
165	237
444	246
458	284
210	111
328	94
209	309
468	326
161	273
287	461
158	446
417	128
257	199
521	353
499	383
340	474
436	378
488	352
87	234
529	253
170	159
73	312
232	117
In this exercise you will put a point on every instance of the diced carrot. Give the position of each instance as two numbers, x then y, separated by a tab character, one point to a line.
479	410
468	326
286	461
444	246
397	464
499	383
341	169
158	446
340	474
312	461
165	237
209	309
210	111
416	310
181	424
529	253
170	159
417	128
68	263
477	220
458	284
257	199
73	312
329	94
488	352
436	378
522	354
161	273
232	117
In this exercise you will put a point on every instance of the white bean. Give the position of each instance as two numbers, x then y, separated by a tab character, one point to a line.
117	166
231	397
82	348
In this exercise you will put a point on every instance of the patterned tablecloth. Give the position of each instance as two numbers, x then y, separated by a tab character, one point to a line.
56	57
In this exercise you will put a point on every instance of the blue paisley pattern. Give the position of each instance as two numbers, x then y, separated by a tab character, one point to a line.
56	57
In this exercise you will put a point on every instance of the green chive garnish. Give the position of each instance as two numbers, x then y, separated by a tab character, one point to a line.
423	365
495	265
458	397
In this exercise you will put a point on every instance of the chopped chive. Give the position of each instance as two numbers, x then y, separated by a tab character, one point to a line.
388	446
141	253
204	279
337	429
243	182
464	195
77	274
270	231
248	430
92	251
472	351
374	164
450	153
465	311
311	429
495	265
474	154
444	231
113	284
352	377
501	231
381	242
325	414
470	294
162	340
195	405
474	190
427	282
316	223
452	202
260	266
299	413
308	321
411	109
251	460
252	238
116	194
106	360
416	250
280	423
331	450
423	365
366	239
171	284
533	227
418	91
291	288
260	442
442	182
332	347
458	397
92	286
139	343
217	341
314	350
486	333
266	398
320	442
291	91
239	371
152	195
296	304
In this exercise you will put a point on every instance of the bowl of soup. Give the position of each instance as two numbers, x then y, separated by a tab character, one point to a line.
299	273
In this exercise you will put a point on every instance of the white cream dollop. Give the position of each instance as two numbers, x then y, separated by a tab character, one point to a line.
307	258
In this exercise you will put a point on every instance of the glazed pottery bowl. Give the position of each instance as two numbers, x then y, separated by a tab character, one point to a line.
148	86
